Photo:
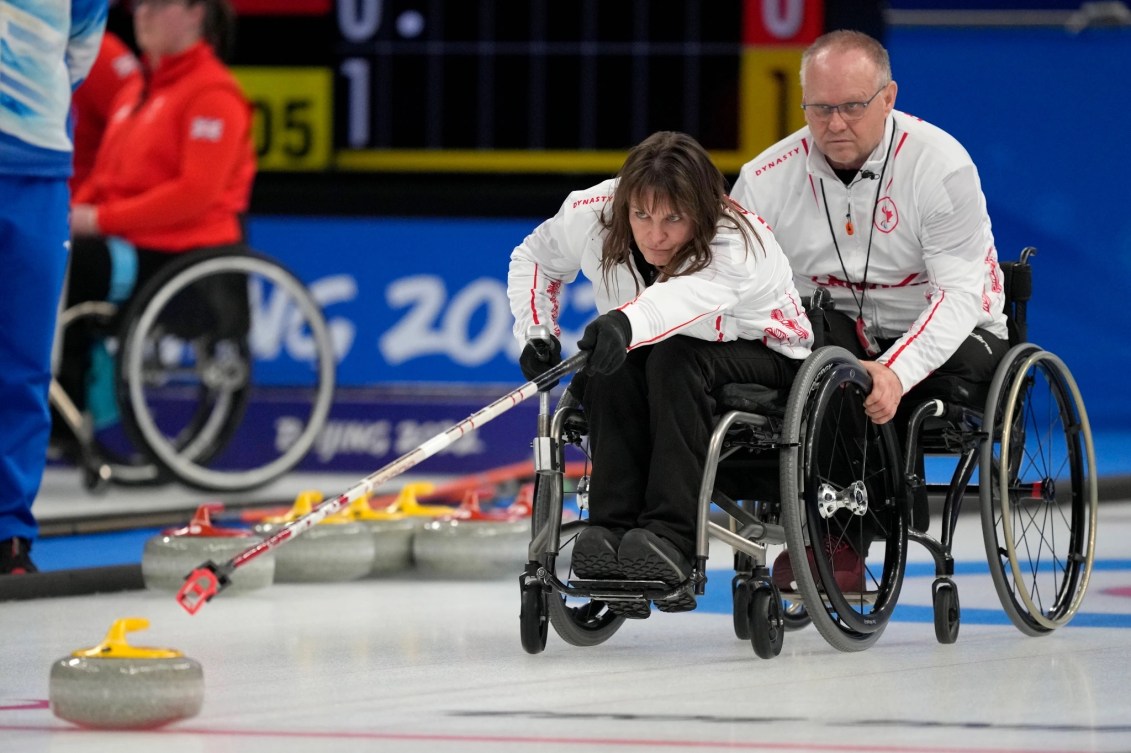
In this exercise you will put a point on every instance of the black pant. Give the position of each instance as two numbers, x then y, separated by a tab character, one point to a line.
649	425
974	363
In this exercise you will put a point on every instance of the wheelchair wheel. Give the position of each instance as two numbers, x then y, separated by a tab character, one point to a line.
946	609
840	486
741	594
578	622
794	615
103	456
533	620
1037	483
767	624
225	371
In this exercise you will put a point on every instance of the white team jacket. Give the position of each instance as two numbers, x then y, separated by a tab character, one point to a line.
744	293
933	275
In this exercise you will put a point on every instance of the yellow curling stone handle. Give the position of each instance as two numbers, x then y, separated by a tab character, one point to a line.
304	504
115	645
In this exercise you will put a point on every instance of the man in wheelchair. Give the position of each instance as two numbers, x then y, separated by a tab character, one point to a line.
887	213
693	293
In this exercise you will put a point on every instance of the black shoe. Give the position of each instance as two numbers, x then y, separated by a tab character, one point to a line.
595	558
646	556
632	610
15	558
595	555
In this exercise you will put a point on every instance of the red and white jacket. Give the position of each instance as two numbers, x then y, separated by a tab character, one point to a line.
933	275
747	291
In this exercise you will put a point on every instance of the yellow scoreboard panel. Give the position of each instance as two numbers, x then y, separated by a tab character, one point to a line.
293	124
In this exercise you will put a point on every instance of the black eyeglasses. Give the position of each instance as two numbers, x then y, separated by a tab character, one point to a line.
849	111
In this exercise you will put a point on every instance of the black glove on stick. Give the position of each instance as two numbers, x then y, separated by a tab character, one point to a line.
539	356
606	338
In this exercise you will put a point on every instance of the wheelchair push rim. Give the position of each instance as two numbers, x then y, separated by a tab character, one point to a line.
219	412
1038	524
831	385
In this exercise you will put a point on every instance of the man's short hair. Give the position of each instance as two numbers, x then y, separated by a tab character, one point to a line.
848	39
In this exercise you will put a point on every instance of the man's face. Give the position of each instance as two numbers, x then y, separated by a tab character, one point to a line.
837	77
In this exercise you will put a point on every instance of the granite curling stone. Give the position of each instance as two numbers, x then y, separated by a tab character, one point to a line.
392	534
170	556
118	686
334	549
474	543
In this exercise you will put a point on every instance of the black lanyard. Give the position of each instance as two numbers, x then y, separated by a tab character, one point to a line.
867	341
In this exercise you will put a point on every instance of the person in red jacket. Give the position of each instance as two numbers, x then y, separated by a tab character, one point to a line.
175	168
173	173
115	67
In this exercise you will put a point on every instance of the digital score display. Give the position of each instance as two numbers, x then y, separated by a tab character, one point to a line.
520	85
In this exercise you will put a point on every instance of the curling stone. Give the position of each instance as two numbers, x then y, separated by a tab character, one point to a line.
335	548
395	525
407	503
171	555
118	686
392	536
476	543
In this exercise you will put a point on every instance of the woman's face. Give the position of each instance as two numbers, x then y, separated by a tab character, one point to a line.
167	27
659	231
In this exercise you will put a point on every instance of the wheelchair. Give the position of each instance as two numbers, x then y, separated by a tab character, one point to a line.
1028	439
221	370
842	478
836	471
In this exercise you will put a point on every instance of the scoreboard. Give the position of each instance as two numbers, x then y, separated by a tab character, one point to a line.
540	86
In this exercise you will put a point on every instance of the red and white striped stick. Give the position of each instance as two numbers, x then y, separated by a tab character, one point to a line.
210	578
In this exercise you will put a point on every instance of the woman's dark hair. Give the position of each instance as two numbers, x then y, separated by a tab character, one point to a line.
220	27
673	169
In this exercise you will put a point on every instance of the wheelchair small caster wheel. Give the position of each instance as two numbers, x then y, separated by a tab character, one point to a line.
740	590
96	477
795	616
767	625
944	596
533	619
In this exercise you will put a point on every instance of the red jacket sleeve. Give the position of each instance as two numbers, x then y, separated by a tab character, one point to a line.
214	141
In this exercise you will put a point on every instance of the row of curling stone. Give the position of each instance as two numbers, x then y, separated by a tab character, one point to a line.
474	542
115	685
172	554
357	542
361	541
353	544
439	539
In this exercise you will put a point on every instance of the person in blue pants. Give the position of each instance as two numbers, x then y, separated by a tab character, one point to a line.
46	49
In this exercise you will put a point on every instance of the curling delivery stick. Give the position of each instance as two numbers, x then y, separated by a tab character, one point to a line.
210	578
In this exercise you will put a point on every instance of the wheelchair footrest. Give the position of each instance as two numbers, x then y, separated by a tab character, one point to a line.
622	590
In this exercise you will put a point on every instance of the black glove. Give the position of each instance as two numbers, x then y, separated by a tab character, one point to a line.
606	338
538	357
